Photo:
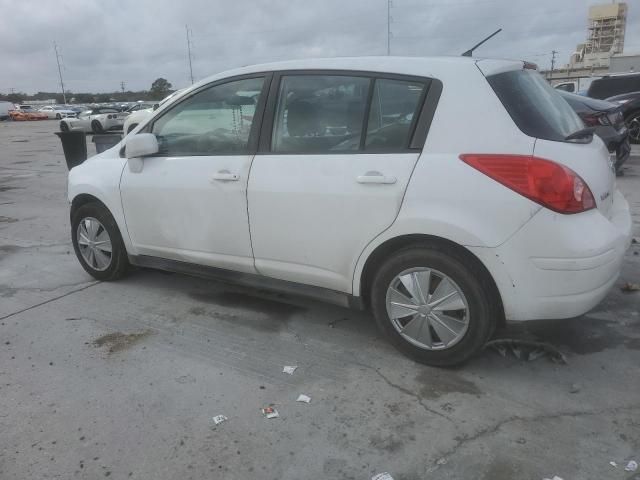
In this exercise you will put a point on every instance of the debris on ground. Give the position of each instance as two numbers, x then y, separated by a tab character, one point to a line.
575	388
526	349
303	398
555	477
118	341
270	412
289	369
218	419
630	287
632	466
613	464
441	461
382	476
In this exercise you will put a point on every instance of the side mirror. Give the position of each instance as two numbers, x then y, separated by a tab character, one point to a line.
141	145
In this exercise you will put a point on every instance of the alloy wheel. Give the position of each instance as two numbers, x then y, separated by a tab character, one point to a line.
427	308
634	129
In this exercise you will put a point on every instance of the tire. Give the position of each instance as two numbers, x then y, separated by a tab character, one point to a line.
633	124
64	127
131	127
58	116
475	325
118	263
96	127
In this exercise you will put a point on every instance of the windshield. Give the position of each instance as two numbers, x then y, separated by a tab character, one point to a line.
536	108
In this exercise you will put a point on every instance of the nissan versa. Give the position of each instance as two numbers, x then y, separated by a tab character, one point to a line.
445	194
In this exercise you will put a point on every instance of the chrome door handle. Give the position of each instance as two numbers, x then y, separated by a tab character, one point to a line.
375	177
225	176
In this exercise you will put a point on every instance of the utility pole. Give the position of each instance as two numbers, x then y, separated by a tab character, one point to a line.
64	95
122	85
553	61
189	51
389	19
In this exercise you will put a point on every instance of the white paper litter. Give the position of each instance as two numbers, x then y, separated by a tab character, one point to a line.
613	464
555	477
382	476
303	398
218	419
632	466
289	369
270	412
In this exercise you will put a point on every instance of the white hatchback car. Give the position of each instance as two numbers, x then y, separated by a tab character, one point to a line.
349	179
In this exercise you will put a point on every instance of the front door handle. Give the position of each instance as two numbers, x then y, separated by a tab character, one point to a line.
375	177
225	176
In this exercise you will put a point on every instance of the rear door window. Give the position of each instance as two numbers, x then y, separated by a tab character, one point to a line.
536	108
394	107
320	113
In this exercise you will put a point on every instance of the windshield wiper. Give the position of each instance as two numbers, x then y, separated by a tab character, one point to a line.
582	133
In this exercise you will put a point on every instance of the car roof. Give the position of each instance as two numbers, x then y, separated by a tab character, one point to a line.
418	66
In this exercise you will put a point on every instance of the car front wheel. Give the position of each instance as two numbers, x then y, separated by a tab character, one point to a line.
97	242
96	127
433	305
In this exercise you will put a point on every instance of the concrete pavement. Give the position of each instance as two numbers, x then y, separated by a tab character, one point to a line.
121	379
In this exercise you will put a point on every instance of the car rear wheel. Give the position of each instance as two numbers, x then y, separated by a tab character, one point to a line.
97	242
433	305
58	116
64	127
633	125
96	127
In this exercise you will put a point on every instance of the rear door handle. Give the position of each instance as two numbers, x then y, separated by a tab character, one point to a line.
375	177
225	176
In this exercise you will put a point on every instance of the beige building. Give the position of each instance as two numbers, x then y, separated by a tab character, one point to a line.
605	37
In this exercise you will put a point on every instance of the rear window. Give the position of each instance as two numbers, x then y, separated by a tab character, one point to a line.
611	86
536	108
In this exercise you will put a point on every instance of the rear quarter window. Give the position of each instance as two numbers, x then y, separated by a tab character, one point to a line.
537	109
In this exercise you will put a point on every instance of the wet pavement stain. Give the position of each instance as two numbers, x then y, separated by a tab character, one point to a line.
119	341
581	335
277	313
437	383
6	250
6	188
6	291
7	219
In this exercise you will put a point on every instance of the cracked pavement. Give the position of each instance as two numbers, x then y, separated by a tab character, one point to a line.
73	405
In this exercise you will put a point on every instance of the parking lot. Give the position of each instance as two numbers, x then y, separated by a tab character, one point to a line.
122	379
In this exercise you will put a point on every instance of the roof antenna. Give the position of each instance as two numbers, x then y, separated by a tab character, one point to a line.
469	52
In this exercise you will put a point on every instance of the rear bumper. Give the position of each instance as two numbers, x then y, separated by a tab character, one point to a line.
560	266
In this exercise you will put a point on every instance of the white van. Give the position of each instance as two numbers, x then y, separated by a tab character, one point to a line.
4	110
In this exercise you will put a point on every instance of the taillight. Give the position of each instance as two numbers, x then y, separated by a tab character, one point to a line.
545	182
594	120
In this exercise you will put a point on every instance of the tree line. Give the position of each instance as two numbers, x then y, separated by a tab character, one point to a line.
160	88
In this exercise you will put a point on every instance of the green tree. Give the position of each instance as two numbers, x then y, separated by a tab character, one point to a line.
160	88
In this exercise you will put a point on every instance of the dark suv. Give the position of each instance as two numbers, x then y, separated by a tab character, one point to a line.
611	85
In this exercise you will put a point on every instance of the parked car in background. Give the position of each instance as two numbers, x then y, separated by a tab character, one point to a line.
141	106
58	112
5	108
608	121
612	85
577	85
346	179
630	104
140	115
95	120
27	112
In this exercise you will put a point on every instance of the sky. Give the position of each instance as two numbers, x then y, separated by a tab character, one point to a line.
105	42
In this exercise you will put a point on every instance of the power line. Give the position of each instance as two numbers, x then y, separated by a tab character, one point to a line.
64	95
189	33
